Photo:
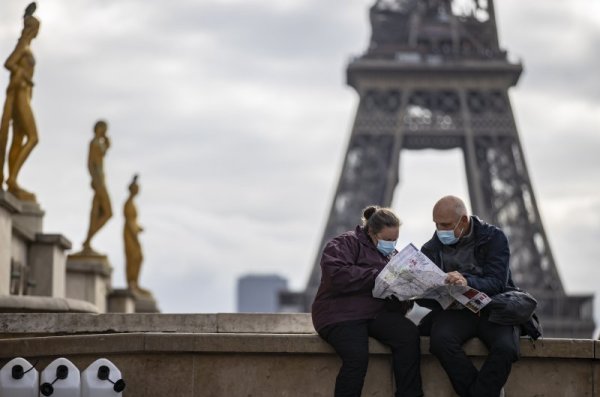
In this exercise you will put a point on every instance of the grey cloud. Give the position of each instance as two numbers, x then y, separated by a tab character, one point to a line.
558	47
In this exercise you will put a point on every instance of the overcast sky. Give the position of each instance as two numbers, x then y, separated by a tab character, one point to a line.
236	115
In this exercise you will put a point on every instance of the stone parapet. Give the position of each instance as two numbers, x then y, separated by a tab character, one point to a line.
259	364
68	323
64	323
270	323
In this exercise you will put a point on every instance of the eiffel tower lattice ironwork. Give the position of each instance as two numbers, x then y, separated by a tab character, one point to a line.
434	76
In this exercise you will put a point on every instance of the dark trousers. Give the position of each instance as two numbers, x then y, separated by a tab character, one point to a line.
449	329
351	342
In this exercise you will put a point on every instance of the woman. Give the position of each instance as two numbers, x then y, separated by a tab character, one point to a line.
345	313
17	107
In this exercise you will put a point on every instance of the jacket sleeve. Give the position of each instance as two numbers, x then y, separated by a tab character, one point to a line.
340	270
495	267
429	253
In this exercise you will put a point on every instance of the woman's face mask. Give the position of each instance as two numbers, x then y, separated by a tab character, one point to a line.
386	247
386	240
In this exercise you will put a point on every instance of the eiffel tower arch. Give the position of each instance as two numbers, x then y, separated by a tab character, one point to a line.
434	76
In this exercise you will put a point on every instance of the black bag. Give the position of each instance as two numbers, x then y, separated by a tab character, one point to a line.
512	307
532	328
516	307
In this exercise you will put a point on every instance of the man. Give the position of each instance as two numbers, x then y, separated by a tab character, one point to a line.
475	254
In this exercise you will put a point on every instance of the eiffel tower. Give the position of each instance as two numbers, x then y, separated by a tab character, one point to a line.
434	77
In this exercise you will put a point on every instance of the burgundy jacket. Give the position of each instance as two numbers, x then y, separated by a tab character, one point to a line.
349	265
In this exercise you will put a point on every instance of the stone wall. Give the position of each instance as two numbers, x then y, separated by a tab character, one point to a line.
262	355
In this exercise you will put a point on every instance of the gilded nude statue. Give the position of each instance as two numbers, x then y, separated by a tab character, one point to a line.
101	208
133	248
17	108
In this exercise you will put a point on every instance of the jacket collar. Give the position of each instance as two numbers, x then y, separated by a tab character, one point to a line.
363	237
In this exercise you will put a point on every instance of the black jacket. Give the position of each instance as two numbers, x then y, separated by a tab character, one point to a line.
492	256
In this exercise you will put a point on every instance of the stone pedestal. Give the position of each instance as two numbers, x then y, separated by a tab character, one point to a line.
8	206
121	300
30	218
88	279
47	263
145	304
33	266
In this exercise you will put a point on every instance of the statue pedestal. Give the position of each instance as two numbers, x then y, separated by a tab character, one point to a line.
121	300
30	218
89	279
145	304
8	207
47	264
31	263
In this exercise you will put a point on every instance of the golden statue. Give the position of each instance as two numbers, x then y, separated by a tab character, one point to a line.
101	209
17	107
133	249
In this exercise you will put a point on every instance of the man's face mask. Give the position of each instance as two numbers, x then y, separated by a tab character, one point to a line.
447	237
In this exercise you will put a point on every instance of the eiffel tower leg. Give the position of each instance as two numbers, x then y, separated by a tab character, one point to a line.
370	170
500	180
472	166
502	189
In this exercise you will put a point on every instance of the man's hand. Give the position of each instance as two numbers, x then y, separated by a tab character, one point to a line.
455	278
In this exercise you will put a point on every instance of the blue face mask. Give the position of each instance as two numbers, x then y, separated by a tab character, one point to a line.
386	247
447	237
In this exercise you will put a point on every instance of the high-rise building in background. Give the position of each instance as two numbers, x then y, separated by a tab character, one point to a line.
260	293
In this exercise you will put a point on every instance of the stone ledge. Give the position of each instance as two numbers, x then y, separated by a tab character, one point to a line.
293	365
22	304
23	232
53	239
66	323
93	265
169	343
8	201
54	323
196	327
244	343
270	323
68	345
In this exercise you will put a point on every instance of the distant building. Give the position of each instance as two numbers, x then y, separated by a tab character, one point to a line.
260	293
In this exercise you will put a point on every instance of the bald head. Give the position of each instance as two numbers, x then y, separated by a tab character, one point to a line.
448	211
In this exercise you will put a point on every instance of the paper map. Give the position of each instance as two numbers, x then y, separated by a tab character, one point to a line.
412	275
